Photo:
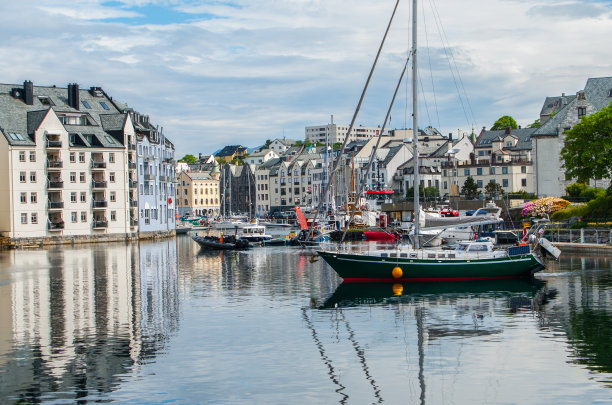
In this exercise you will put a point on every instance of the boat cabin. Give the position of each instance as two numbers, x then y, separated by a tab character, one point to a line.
474	246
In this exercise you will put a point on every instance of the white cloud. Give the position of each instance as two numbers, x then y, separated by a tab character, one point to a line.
243	71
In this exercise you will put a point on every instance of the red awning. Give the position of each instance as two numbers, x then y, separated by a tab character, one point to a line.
379	192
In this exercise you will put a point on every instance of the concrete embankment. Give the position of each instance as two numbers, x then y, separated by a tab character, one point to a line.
18	243
586	248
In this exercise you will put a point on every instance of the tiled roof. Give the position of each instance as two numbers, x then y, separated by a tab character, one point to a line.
486	138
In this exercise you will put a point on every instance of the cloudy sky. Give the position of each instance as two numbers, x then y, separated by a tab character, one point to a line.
222	72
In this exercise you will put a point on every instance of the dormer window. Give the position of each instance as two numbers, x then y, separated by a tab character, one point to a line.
73	119
581	112
45	101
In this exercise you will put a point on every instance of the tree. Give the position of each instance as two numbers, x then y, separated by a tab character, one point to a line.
493	190
267	144
588	147
470	188
503	122
431	192
190	159
535	124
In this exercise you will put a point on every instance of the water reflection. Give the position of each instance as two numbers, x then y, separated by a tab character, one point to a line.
75	319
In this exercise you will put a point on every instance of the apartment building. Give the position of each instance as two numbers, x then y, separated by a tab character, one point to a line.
198	194
63	163
334	133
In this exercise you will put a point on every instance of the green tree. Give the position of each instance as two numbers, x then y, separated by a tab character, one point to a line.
307	142
470	188
431	192
298	143
588	147
503	122
188	159
267	144
535	124
493	190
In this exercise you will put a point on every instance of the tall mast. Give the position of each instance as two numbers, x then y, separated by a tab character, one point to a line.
415	127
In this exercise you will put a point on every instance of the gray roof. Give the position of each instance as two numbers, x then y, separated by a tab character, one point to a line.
486	138
441	151
392	152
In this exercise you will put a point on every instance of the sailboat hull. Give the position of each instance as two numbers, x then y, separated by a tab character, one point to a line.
369	268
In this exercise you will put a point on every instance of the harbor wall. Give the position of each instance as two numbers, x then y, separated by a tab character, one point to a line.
11	243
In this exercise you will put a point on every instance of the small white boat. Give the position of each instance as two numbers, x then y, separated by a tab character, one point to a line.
253	233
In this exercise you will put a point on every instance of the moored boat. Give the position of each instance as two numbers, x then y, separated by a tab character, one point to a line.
220	243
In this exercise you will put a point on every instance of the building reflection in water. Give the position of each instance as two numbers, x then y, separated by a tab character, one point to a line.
74	319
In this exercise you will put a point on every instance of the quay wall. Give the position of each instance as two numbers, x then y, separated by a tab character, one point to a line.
83	239
584	248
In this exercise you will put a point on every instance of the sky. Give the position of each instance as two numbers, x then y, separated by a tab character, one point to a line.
215	73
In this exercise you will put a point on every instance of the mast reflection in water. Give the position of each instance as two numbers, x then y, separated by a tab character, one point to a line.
75	319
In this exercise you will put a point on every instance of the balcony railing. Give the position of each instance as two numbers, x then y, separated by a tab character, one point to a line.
55	225
99	224
132	166
164	178
98	165
133	222
55	205
133	204
99	184
99	204
54	144
132	146
55	164
55	184
133	184
149	177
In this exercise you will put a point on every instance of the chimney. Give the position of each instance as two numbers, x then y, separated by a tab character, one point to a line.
28	94
450	136
507	130
73	95
519	127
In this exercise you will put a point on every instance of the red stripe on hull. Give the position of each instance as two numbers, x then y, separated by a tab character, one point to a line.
412	280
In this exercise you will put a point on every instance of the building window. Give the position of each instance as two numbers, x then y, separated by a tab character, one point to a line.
34	218
479	183
24	198
73	197
73	217
523	182
186	202
22	177
83	196
479	171
505	170
113	216
82	177
111	177
81	157
83	216
111	157
466	172
523	169
33	177
581	112
33	198
504	182
73	177
24	218
491	170
32	156
22	156
113	196
72	157
104	105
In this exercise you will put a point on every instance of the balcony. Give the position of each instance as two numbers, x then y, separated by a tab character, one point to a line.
149	177
97	165
55	205
55	164
55	183
133	222
54	144
96	204
132	146
99	224
56	225
132	166
164	178
133	184
98	184
133	204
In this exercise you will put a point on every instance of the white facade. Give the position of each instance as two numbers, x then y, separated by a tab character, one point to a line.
333	133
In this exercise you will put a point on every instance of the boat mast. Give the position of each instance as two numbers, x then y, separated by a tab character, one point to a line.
415	127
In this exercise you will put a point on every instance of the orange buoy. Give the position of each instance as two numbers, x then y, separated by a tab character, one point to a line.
397	272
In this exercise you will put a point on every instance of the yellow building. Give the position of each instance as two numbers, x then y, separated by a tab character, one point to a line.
198	193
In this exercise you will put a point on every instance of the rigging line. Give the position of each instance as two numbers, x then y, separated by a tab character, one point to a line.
424	100
350	129
433	87
369	166
408	50
330	367
448	59
452	57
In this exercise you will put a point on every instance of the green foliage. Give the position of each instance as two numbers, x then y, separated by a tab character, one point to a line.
337	145
307	142
267	144
470	188
599	208
298	143
493	190
585	192
535	124
588	147
425	193
190	159
431	192
522	195
575	189
503	122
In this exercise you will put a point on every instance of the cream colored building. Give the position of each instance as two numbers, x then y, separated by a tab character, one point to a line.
198	194
63	163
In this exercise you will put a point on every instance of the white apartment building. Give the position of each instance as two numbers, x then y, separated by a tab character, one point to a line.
63	163
334	133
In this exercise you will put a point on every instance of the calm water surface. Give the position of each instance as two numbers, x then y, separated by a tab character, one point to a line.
163	322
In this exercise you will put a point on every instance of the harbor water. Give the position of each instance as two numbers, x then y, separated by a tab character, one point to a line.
163	322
